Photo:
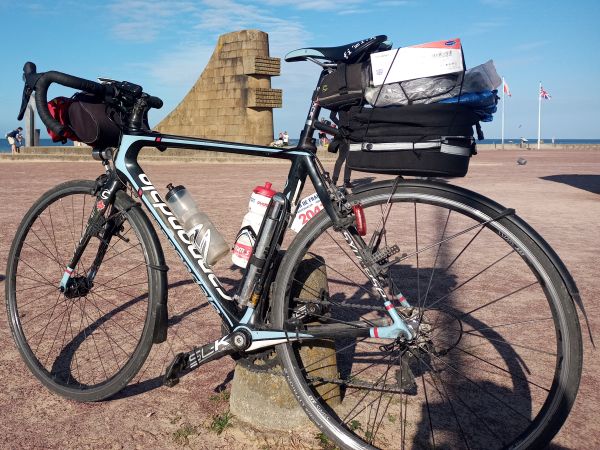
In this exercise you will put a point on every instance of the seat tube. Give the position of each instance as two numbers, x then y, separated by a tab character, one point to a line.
305	141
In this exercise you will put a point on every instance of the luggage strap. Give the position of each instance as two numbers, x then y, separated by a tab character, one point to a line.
341	75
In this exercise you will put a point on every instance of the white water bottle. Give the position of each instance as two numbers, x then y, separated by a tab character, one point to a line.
201	231
246	238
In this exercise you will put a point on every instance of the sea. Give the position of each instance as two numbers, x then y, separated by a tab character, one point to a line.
5	148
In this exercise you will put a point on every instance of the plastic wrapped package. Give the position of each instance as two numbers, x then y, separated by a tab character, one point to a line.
482	78
418	91
434	89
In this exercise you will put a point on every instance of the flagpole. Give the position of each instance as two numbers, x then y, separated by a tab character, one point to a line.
539	114
503	89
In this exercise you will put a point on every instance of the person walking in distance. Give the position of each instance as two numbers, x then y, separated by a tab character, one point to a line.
13	138
286	139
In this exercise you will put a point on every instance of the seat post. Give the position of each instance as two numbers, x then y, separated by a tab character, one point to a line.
306	142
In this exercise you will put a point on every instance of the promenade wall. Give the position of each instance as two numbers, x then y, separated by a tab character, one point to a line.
72	153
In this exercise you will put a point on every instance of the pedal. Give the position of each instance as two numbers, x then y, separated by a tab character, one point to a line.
184	363
177	366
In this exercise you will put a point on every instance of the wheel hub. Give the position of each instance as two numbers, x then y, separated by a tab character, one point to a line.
77	287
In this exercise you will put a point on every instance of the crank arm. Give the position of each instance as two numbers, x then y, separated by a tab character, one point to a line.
184	363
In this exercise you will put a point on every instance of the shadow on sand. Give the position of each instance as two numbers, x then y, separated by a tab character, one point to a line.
590	183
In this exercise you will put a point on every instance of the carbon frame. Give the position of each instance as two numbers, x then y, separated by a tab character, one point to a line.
302	165
127	167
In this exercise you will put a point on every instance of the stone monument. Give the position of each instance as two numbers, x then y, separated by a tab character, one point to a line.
260	394
232	100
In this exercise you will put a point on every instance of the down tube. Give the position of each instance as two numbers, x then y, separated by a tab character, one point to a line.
127	166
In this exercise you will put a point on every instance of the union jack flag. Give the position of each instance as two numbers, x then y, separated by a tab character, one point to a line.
544	94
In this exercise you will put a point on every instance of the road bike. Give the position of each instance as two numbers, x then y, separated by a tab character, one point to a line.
439	319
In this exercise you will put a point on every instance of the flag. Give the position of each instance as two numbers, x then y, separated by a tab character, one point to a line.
507	90
544	93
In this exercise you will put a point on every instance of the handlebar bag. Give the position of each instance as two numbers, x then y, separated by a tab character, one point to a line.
94	123
59	110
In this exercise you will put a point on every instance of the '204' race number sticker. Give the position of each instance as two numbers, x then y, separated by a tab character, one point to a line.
308	208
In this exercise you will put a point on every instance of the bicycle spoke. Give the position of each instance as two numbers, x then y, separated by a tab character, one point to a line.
463	249
103	314
49	291
50	239
44	254
470	279
60	265
43	330
437	254
516	291
43	312
445	394
417	254
494	327
37	273
120	253
123	273
510	374
533	349
428	410
70	228
482	389
350	257
122	307
122	286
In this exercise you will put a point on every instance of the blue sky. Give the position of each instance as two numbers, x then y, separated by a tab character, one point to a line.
164	45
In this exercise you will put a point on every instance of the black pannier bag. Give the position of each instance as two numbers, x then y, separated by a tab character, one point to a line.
94	123
434	140
344	86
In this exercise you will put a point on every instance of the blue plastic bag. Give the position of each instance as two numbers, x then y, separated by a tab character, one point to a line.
483	103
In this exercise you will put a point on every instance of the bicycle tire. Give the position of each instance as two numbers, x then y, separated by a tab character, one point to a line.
103	321
515	385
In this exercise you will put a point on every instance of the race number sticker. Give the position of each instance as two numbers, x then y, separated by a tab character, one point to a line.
308	208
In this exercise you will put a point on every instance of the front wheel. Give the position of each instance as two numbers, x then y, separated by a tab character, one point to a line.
497	358
85	344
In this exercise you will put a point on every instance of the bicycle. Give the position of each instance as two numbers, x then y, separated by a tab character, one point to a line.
419	315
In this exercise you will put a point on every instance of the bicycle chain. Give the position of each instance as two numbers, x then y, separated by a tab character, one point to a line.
344	305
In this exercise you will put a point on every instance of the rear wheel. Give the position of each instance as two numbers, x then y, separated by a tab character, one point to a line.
85	344
497	358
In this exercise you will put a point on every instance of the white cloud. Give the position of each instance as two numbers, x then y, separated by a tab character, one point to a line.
317	5
484	27
285	34
174	70
144	20
528	46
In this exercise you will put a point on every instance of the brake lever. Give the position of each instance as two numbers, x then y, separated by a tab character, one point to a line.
24	101
30	77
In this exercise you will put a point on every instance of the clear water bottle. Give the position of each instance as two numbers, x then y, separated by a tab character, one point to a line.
196	224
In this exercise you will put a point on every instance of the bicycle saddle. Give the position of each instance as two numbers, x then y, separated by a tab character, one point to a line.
349	53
